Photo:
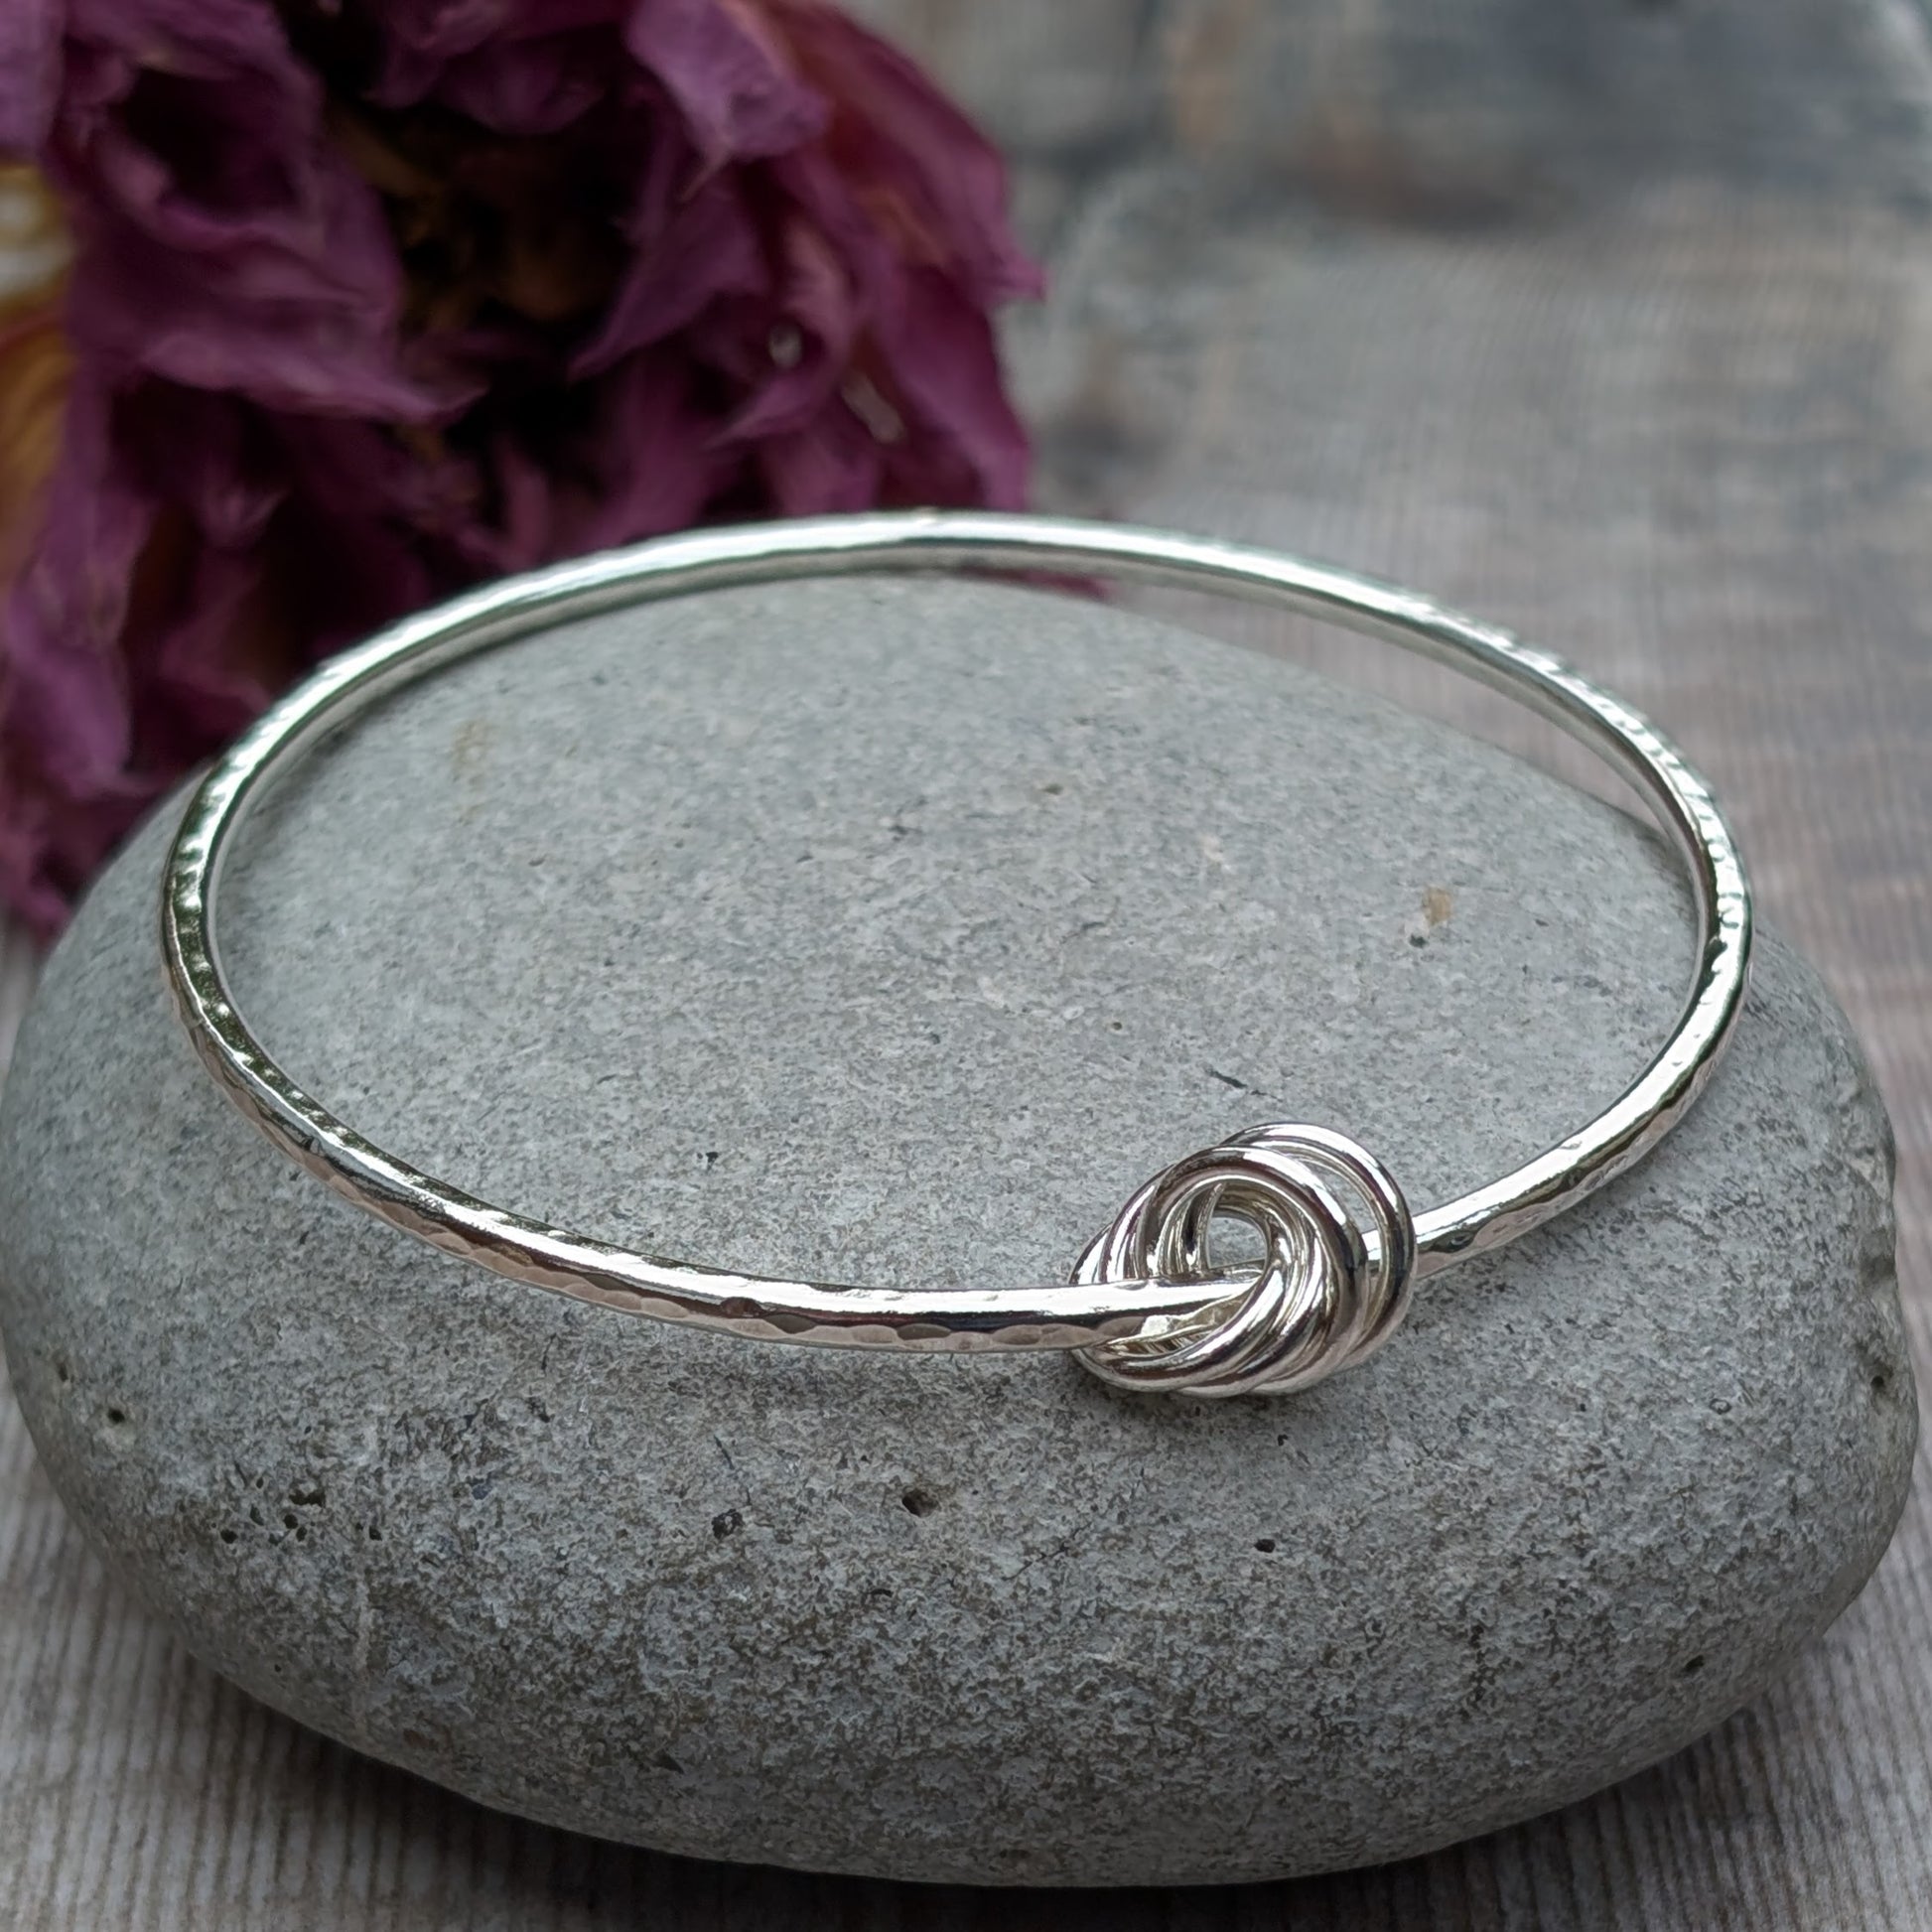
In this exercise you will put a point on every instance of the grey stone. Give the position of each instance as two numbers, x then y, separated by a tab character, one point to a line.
889	930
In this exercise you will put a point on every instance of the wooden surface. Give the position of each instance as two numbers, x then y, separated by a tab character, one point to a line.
1613	320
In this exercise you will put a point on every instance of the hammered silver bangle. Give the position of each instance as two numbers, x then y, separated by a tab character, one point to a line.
1147	1307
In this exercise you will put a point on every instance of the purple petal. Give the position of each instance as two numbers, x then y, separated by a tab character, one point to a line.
440	29
226	244
527	88
52	841
59	626
728	75
203	451
196	684
808	345
943	360
30	73
426	39
422	37
239	331
708	247
835	464
928	174
183	35
656	462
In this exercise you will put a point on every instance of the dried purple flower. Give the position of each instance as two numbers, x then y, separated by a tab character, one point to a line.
372	298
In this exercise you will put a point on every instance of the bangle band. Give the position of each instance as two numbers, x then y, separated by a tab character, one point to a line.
1147	1306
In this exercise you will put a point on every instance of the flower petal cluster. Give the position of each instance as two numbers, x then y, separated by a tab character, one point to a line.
371	298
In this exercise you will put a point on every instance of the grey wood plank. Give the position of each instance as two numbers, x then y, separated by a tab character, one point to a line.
1614	322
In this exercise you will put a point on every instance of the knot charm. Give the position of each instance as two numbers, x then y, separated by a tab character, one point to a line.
1338	1253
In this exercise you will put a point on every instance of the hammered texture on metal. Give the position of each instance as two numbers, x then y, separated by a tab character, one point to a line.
1339	1255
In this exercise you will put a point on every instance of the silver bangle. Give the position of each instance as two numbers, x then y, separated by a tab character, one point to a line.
1146	1308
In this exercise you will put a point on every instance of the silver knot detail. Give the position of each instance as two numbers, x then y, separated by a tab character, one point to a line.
1338	1253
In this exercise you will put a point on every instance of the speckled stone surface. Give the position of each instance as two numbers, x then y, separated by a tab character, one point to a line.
883	930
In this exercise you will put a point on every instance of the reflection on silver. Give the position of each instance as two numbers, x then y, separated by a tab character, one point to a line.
1148	1308
1329	1292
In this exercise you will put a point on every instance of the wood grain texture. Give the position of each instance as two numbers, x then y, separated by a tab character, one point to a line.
1614	322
